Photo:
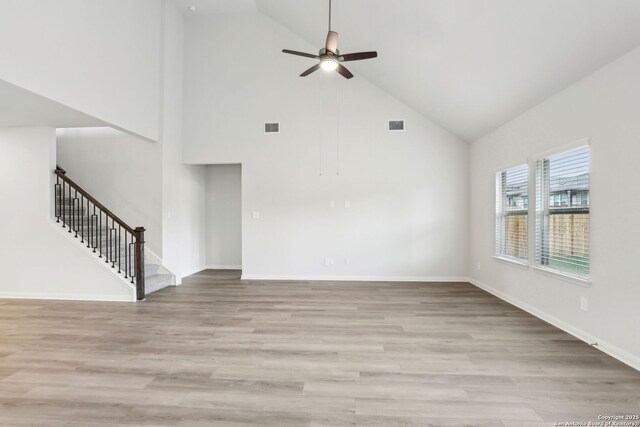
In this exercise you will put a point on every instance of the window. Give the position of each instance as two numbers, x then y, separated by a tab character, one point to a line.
512	207
562	212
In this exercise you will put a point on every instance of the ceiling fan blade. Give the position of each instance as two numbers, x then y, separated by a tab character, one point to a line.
294	52
332	42
357	56
310	70
344	72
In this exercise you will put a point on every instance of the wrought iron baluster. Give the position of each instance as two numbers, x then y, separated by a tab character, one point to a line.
100	232
57	196
70	203
74	211
126	261
132	271
94	231
119	248
82	232
113	233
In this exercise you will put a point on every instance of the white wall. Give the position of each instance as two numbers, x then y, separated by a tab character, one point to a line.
183	186
101	57
408	215
603	107
122	171
38	260
224	217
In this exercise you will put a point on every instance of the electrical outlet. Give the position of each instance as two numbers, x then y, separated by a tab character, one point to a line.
584	304
347	204
327	261
332	204
478	266
347	261
256	215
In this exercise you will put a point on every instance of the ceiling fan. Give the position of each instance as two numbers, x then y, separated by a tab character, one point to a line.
329	57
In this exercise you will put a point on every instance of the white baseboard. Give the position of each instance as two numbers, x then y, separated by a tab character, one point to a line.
613	351
65	297
223	267
447	279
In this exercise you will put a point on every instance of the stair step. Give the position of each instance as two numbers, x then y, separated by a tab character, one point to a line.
156	282
86	230
151	269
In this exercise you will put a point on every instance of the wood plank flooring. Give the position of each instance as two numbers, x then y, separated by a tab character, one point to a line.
218	351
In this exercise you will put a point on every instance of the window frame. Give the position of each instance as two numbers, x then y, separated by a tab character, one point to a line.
549	271
500	218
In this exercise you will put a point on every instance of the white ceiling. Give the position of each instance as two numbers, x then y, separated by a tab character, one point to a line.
468	65
217	6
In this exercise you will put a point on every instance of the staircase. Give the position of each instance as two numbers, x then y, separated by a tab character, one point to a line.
111	239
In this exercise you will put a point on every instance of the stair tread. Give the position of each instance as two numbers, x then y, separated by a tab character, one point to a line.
157	281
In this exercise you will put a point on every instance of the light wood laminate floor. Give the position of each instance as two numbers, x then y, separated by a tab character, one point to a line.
224	352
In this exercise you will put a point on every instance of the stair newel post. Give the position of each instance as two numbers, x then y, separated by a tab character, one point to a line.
139	262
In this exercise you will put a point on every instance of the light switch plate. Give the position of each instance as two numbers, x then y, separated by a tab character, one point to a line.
256	215
332	204
347	203
584	304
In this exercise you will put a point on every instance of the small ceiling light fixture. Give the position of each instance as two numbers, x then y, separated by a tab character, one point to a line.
330	57
329	64
192	8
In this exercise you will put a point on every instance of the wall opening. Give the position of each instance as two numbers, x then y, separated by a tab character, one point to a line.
224	217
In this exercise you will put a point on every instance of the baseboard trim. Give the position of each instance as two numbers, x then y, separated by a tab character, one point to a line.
447	279
65	297
612	350
223	267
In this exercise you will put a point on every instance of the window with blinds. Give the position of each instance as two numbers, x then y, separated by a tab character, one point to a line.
562	212
512	208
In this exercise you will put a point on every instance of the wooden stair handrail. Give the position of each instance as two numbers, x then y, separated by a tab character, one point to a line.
62	174
113	252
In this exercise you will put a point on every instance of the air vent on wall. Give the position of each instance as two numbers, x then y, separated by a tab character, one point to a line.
396	125
272	127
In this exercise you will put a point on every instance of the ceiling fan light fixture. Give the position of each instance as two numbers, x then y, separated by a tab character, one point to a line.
329	64
330	57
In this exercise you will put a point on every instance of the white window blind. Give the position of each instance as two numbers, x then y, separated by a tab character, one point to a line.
512	208
562	212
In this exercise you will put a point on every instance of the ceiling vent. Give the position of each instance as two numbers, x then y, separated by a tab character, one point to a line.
396	125
273	127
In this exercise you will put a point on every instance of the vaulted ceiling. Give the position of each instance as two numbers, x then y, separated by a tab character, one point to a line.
468	65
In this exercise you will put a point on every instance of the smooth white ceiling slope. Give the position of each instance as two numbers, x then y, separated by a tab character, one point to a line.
469	65
217	6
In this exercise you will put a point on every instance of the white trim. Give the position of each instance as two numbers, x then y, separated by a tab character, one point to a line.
303	277
512	261
153	258
613	351
223	267
65	297
579	143
577	280
516	165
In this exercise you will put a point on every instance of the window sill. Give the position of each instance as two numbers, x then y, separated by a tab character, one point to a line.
512	261
564	276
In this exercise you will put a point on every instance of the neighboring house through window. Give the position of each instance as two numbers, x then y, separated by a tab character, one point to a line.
562	212
512	206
